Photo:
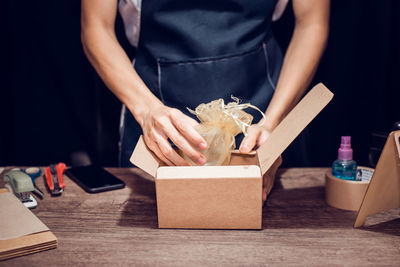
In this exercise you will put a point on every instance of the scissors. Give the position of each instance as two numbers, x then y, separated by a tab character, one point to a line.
54	178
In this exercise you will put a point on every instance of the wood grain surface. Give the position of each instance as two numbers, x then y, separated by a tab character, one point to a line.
119	228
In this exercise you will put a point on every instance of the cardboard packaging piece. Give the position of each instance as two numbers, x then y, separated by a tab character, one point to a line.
225	197
383	192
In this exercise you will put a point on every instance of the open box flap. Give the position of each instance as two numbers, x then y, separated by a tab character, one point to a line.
143	158
292	125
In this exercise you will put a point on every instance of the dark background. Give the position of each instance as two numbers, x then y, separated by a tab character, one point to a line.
53	103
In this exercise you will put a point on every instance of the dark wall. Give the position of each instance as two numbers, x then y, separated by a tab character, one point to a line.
360	66
53	103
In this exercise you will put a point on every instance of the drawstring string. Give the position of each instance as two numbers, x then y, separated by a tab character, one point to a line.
236	106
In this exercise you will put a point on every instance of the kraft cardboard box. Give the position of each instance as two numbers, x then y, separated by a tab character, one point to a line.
225	197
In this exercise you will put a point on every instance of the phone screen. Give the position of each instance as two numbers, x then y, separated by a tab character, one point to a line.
94	179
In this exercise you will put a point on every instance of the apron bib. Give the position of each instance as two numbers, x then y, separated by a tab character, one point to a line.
191	52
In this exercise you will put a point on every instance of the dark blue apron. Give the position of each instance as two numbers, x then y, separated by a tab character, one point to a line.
196	51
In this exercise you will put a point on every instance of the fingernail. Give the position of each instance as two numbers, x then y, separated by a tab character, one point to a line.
201	161
203	145
264	195
244	148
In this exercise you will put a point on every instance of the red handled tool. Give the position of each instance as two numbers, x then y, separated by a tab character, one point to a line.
54	178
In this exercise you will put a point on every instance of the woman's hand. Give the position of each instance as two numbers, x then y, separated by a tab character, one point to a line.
256	135
269	178
161	123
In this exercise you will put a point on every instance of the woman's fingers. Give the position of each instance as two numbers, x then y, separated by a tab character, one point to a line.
169	130
167	150
269	177
184	146
163	124
256	136
264	195
263	137
248	143
185	126
154	147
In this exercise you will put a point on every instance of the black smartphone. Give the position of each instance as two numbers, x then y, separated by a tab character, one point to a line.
94	179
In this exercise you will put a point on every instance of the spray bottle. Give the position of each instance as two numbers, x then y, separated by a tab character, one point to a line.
345	167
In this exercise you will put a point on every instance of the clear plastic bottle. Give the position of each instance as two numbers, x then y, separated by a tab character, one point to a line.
345	167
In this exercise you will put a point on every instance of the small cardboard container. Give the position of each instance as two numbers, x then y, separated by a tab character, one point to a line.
225	197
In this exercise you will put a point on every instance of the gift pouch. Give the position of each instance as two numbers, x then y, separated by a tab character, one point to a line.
219	124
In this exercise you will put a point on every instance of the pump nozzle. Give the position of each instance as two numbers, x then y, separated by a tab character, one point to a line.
345	152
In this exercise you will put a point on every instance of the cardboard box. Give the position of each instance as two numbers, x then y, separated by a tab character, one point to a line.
225	197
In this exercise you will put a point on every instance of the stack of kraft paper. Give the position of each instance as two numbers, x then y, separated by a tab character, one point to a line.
21	232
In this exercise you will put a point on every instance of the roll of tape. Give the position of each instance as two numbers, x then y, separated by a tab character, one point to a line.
345	194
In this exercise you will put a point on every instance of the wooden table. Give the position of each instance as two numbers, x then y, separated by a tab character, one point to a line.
120	228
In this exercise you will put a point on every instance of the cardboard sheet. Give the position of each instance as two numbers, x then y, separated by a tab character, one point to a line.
16	219
383	192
